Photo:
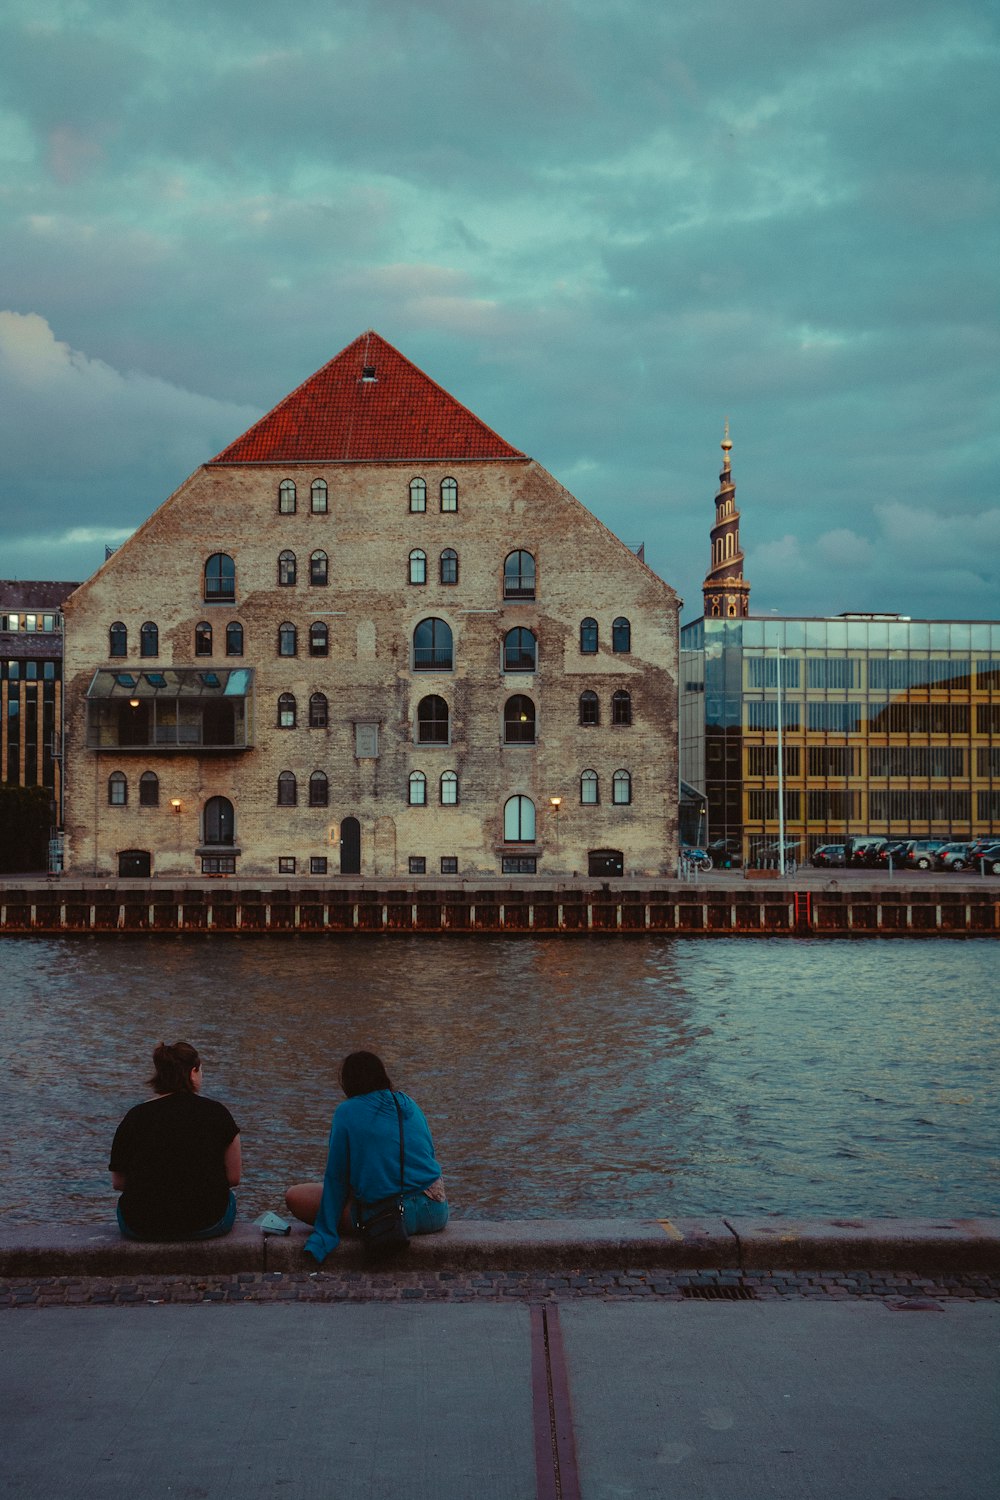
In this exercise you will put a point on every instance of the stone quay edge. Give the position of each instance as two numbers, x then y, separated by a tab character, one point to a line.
744	1242
802	905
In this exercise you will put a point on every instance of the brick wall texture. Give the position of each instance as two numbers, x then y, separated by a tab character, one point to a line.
368	676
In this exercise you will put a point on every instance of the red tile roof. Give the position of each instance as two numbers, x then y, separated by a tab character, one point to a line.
368	404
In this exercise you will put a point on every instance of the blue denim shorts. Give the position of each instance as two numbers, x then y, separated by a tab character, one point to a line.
421	1215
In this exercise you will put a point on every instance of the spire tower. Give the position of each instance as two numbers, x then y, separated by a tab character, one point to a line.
725	590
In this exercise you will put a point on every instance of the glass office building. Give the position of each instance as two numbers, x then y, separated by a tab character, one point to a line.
888	726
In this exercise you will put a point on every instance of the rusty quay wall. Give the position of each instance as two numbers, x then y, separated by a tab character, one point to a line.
663	909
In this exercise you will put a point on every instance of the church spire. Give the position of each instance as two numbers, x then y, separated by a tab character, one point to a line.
725	590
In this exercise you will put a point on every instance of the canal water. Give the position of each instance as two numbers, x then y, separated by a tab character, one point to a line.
638	1078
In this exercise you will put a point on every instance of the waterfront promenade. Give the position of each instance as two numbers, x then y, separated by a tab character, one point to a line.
456	1379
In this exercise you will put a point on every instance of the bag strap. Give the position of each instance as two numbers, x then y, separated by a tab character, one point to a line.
399	1112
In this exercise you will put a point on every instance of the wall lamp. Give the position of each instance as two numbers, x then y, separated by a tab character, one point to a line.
175	803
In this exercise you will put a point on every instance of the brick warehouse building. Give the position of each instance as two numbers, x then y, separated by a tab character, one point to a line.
371	637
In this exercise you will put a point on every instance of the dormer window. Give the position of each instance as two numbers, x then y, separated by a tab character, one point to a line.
368	373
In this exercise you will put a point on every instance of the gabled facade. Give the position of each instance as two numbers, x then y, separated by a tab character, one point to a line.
371	638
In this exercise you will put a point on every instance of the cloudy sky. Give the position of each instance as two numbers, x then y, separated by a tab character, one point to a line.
604	225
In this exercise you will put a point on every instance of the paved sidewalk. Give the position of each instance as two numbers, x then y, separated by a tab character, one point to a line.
796	1399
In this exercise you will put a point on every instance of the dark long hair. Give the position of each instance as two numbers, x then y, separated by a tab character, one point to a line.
174	1066
363	1073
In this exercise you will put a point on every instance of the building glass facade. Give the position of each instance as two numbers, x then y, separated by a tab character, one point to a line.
889	726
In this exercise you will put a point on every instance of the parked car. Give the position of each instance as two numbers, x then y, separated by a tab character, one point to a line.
920	853
894	850
989	860
725	853
952	857
978	847
828	855
859	847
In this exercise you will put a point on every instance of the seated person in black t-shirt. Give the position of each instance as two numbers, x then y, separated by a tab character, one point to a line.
176	1158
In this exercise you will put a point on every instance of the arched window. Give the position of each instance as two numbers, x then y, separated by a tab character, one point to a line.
220	579
418	494
288	640
432	721
520	650
234	638
519	576
449	789
418	566
319	790
432	647
319	639
418	789
220	821
590	788
203	638
319	570
118	639
621	789
286	711
287	569
149	640
288	790
286	497
519	721
519	820
117	789
319	497
621	635
449	565
318	710
588	637
621	707
149	789
449	494
590	708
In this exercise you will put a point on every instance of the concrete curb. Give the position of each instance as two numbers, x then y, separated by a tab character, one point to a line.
924	1246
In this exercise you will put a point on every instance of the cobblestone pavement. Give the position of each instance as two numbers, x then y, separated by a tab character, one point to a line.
899	1292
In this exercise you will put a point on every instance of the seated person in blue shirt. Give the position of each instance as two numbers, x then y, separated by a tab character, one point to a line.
363	1161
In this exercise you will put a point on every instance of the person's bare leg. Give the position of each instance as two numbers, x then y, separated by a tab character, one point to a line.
303	1199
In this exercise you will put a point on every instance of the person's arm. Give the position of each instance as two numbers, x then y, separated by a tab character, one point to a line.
233	1161
336	1187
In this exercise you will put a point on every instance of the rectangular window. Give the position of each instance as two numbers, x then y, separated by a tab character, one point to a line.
987	673
762	805
286	864
832	807
518	864
762	760
762	672
836	672
218	864
449	864
988	761
834	718
910	806
764	714
317	864
988	806
418	864
987	717
366	741
833	760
